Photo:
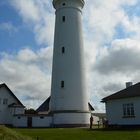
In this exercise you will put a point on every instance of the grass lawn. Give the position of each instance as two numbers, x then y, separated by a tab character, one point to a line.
80	134
8	134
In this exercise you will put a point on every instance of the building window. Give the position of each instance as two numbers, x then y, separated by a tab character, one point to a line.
62	84
19	117
63	49
0	100
128	110
5	101
63	18
41	117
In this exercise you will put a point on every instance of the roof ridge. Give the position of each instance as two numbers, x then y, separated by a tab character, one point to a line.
4	85
123	93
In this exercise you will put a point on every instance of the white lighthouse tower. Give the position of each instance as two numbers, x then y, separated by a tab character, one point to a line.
69	102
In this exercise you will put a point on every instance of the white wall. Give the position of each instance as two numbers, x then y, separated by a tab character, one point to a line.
19	121
37	121
95	119
98	119
71	118
6	112
114	111
19	110
41	121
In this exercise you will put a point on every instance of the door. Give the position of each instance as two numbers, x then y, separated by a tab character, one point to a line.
29	122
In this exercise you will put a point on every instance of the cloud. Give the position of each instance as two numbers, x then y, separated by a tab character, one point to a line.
27	55
26	76
39	16
27	9
8	27
132	25
122	57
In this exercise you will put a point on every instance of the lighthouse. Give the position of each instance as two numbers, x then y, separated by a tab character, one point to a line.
69	98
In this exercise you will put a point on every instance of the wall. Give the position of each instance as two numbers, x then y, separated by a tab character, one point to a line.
95	119
98	118
41	121
20	121
37	121
78	119
114	111
5	112
19	110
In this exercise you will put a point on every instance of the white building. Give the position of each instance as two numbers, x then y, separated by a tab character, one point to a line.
12	112
69	98
43	117
122	108
9	105
99	118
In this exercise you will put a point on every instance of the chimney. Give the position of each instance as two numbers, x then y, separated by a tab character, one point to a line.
128	84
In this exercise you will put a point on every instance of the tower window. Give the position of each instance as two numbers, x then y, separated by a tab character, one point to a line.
64	4
63	49
62	84
63	18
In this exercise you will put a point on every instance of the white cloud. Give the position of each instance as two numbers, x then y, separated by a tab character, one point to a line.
27	55
122	56
39	16
8	26
132	25
98	16
28	9
26	76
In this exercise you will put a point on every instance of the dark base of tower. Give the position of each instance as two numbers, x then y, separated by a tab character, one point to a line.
70	125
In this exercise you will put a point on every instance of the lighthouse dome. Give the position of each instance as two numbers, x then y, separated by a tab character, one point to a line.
68	3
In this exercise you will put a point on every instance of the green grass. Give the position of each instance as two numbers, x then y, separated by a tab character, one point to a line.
80	134
8	134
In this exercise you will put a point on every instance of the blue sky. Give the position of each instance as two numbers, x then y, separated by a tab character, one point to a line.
15	34
111	31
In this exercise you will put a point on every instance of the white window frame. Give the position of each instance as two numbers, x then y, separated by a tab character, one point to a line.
128	110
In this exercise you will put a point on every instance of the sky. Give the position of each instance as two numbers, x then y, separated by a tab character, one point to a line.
111	30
